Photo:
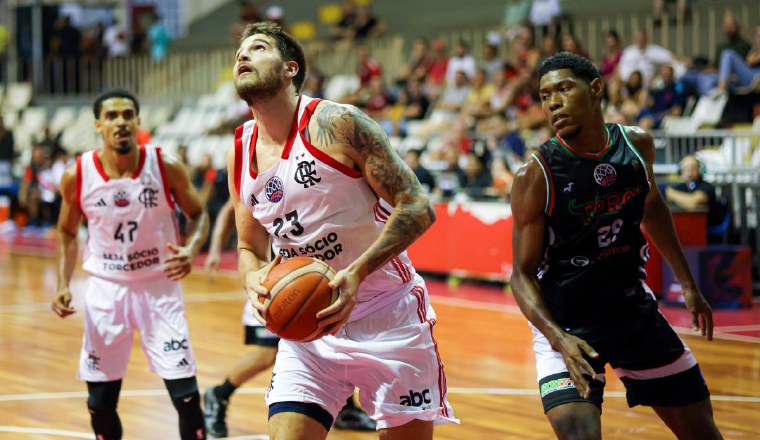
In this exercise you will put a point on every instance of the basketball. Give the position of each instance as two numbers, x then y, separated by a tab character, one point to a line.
298	289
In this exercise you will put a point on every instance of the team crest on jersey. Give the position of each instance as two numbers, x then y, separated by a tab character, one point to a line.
274	189
148	197
121	199
306	173
605	174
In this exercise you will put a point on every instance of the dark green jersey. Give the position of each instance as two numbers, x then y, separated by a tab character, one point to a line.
595	250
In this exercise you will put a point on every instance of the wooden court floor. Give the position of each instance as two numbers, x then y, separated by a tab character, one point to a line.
487	355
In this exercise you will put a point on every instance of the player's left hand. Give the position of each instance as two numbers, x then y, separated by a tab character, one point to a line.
179	264
332	318
701	313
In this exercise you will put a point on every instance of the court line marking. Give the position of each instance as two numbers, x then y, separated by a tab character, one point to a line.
495	391
87	435
45	431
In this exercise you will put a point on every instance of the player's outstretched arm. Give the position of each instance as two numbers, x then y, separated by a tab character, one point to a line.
345	130
528	235
658	224
225	222
179	264
253	244
69	219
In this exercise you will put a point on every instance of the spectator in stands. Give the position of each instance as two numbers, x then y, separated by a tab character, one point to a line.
66	39
367	67
477	104
734	41
476	178
249	13
612	54
549	45
501	179
491	61
7	157
412	158
65	50
344	28
661	11
667	99
92	43
34	195
366	24
737	73
633	97
115	40
693	193
4	38
455	94
461	61
378	100
570	44
159	38
643	57
450	177
742	74
276	14
439	64
314	84
524	57
418	65
545	14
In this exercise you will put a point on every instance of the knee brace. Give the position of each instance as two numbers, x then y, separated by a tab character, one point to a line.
187	402
102	400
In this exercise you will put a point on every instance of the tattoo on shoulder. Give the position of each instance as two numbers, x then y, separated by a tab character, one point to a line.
346	124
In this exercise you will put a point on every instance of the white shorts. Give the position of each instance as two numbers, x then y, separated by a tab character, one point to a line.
113	311
390	355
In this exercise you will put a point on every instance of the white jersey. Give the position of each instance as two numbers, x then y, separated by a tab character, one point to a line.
129	220
313	205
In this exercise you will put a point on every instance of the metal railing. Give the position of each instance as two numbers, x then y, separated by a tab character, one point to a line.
735	147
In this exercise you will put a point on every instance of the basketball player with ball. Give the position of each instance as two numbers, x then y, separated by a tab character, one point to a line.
307	178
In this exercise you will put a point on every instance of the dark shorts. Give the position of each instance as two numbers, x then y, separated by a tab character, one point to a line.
655	366
259	335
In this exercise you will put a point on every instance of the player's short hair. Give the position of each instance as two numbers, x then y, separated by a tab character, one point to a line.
289	47
113	93
580	66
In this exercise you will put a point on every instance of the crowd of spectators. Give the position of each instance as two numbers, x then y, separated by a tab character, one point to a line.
463	121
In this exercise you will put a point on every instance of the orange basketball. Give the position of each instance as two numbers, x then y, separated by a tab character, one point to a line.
298	289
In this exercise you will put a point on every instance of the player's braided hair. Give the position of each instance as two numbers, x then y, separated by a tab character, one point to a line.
580	66
289	47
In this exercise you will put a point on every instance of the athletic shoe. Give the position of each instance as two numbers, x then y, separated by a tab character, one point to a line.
214	413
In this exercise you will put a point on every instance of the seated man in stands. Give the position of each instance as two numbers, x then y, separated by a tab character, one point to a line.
693	193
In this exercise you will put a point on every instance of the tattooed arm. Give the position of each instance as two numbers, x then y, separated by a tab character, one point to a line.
351	137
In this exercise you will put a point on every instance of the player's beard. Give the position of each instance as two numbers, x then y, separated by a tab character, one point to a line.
260	88
124	147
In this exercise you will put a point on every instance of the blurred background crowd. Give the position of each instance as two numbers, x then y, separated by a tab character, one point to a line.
461	105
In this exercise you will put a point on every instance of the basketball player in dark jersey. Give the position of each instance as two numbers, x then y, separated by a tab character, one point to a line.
579	254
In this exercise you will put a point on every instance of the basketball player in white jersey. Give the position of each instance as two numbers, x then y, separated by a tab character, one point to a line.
128	194
309	175
260	355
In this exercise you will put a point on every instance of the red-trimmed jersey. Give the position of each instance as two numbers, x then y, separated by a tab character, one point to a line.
129	220
313	205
